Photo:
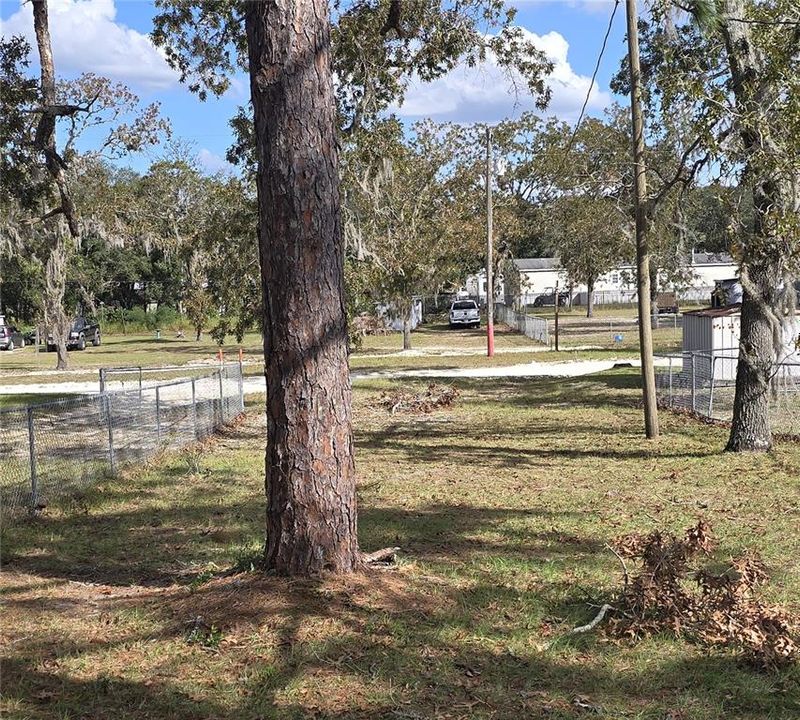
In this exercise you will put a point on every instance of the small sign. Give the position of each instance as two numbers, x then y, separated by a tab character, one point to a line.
618	338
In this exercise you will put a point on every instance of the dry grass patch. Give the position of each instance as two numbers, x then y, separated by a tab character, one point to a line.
135	604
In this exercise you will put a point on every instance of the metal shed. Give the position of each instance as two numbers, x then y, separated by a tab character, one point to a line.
711	341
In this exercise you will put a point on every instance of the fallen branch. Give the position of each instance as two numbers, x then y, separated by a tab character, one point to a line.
593	624
386	555
621	562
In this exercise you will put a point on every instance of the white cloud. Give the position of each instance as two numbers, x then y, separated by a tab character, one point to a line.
86	38
485	93
589	6
214	163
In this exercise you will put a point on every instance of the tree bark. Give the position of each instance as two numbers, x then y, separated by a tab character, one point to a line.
310	471
56	321
750	428
45	142
762	263
45	136
589	298
407	332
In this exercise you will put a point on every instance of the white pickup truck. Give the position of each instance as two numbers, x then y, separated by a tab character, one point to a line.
464	313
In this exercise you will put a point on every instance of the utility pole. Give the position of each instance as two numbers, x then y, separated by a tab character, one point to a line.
489	233
642	254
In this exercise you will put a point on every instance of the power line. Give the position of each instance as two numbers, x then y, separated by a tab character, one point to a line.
589	91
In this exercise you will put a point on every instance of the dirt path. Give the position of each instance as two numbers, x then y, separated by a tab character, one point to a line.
570	368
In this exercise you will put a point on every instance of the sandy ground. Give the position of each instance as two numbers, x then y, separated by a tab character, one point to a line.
571	368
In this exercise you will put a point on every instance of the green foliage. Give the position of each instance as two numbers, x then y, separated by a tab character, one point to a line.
409	211
208	636
741	126
18	91
198	306
378	46
137	320
589	232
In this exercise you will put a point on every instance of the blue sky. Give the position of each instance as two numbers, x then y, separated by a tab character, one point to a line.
109	37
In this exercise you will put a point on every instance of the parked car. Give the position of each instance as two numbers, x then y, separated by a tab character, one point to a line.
11	338
83	331
464	313
548	299
667	303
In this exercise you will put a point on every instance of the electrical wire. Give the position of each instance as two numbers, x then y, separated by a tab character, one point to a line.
589	91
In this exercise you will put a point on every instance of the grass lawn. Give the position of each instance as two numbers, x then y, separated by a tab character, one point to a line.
21	400
130	350
434	346
115	604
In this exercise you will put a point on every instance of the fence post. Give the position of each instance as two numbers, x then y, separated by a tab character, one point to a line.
241	382
670	380
112	459
102	380
194	409
693	385
32	453
711	390
140	382
221	399
158	414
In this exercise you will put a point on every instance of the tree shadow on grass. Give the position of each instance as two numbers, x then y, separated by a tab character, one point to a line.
390	650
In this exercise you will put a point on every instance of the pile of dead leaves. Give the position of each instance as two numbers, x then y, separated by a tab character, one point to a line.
671	592
436	396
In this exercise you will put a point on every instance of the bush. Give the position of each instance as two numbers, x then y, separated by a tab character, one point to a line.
138	320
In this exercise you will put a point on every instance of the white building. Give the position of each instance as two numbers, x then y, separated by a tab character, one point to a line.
539	276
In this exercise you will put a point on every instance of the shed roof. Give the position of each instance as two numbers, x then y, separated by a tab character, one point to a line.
724	311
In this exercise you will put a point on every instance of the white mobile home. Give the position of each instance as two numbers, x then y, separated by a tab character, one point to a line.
540	275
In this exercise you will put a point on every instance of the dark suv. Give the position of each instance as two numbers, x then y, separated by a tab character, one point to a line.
83	331
548	299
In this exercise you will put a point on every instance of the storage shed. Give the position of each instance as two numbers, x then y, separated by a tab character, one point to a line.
711	340
709	334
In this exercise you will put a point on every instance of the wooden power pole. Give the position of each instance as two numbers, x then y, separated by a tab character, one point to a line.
642	254
489	233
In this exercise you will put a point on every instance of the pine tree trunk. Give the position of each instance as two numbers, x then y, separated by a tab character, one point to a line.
589	299
406	333
310	472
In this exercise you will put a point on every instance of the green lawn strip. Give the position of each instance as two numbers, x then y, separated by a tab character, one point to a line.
502	506
443	348
24	399
134	350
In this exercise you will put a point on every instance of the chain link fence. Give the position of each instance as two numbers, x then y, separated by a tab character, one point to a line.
533	327
704	383
55	448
